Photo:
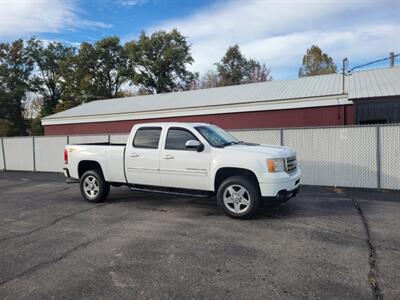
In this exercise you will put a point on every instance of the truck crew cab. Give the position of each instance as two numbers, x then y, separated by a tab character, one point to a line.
193	158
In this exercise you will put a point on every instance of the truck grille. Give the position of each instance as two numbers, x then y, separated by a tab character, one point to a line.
291	164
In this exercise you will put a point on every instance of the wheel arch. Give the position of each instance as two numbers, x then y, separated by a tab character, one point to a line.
226	172
86	165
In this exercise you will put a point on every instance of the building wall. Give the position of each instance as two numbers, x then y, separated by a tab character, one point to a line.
377	110
302	117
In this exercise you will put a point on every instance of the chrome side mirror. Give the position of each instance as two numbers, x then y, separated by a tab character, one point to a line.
195	145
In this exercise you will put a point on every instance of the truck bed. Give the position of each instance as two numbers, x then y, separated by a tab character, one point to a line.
109	156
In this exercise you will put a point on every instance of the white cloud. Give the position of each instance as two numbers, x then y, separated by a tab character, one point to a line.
279	32
23	17
132	2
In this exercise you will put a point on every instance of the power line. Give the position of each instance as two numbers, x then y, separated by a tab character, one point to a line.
349	72
373	62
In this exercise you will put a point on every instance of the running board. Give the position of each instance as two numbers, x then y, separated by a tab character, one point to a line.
160	191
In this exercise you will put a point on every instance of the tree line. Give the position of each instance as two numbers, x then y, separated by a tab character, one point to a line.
39	78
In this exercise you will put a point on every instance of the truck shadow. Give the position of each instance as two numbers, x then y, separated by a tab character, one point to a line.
312	201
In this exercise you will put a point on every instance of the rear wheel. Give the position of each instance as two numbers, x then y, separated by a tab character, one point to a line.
238	197
93	186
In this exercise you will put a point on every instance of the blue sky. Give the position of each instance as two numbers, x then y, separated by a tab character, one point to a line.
274	32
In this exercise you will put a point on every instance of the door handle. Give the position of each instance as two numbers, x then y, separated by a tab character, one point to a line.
134	155
168	157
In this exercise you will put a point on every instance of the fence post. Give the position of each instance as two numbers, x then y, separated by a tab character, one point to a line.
34	154
281	136
378	155
4	154
109	138
67	139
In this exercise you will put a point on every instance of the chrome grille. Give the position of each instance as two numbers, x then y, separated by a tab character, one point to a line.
291	164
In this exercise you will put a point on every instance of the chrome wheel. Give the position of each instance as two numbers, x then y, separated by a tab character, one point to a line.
91	186
236	198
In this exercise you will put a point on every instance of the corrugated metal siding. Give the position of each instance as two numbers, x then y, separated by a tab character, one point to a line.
374	83
365	84
383	110
265	91
304	117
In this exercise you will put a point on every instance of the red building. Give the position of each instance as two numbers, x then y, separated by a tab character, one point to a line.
303	102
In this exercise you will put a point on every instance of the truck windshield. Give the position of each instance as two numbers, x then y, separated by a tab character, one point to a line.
216	136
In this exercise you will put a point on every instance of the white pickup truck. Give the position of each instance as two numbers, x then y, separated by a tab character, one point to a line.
195	158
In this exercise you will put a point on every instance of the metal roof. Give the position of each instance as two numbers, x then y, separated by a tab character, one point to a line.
364	84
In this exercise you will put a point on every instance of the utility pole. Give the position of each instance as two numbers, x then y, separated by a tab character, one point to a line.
344	74
391	55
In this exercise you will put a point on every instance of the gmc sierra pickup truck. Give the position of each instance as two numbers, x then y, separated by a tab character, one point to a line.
189	158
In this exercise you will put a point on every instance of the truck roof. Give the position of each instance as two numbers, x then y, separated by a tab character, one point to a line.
172	123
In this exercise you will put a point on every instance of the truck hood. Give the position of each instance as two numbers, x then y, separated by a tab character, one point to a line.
271	151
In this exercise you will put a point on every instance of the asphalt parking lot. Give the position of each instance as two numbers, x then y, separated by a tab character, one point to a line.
326	243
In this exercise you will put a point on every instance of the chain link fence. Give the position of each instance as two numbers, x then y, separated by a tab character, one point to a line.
352	156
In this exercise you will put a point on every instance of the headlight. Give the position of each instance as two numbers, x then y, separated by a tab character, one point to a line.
275	165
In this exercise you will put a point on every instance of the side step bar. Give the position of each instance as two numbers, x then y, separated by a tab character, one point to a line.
161	191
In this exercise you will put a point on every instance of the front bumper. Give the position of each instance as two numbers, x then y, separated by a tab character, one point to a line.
282	196
286	184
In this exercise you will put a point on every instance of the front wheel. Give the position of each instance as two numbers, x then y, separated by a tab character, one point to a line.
93	186
238	197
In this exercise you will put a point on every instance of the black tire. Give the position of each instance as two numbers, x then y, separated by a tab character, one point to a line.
251	195
100	189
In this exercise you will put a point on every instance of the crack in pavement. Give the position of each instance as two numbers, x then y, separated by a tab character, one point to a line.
373	274
52	223
45	264
391	248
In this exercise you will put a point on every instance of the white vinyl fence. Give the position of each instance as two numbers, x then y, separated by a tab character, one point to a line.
353	156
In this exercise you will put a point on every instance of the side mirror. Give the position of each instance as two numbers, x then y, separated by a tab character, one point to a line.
195	145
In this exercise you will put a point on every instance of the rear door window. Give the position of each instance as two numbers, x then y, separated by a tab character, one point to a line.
147	137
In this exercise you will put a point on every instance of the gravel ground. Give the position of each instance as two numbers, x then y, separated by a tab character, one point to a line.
326	243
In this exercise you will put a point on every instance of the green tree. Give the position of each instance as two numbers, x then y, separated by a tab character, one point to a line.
158	63
35	126
48	80
258	72
15	72
32	114
97	72
315	62
5	127
110	68
234	68
73	91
